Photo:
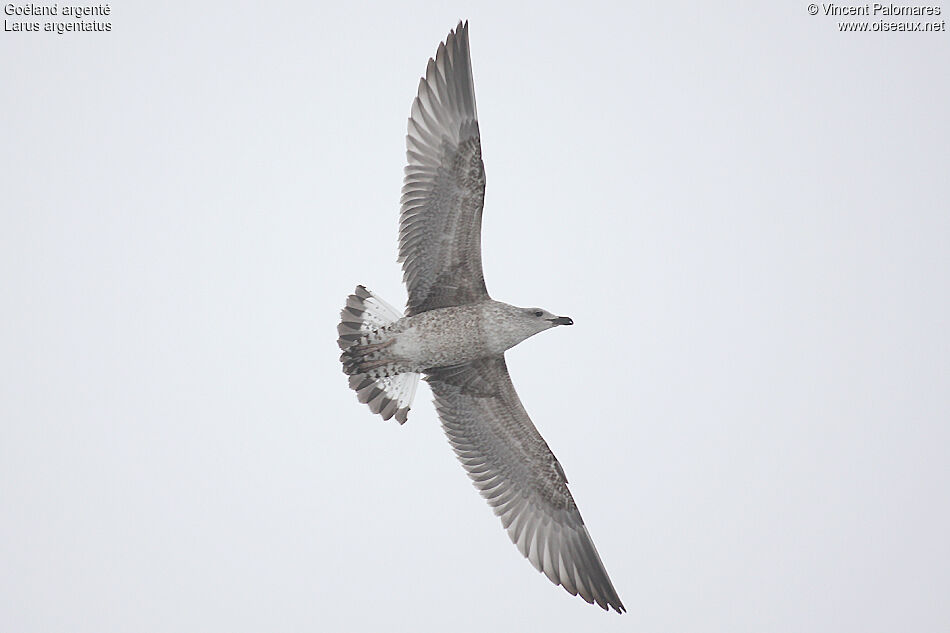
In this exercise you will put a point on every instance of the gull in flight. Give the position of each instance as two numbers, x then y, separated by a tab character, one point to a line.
456	335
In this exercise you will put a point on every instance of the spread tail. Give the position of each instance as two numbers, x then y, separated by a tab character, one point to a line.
363	338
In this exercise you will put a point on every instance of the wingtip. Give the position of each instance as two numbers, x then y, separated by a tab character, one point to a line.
616	605
460	31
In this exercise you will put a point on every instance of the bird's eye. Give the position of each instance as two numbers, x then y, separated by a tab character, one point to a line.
538	313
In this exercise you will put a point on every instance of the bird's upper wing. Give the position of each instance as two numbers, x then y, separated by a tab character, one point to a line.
441	218
517	473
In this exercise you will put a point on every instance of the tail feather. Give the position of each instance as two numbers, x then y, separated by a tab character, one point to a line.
364	312
363	338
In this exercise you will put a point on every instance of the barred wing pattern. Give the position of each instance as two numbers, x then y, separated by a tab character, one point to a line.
513	468
441	217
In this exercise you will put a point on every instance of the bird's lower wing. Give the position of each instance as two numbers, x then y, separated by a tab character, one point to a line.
517	473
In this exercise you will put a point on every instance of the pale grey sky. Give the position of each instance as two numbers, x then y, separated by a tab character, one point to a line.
744	210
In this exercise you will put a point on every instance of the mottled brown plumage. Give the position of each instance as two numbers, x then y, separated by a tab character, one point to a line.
456	335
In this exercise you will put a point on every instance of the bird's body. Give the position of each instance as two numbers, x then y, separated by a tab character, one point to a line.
451	336
455	335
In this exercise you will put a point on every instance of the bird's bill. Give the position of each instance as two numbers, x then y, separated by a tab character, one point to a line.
562	321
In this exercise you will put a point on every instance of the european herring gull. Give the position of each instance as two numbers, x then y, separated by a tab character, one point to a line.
456	335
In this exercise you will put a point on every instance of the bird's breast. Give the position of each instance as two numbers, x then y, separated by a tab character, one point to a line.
437	338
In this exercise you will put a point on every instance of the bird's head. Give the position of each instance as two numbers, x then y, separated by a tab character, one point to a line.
513	324
539	319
